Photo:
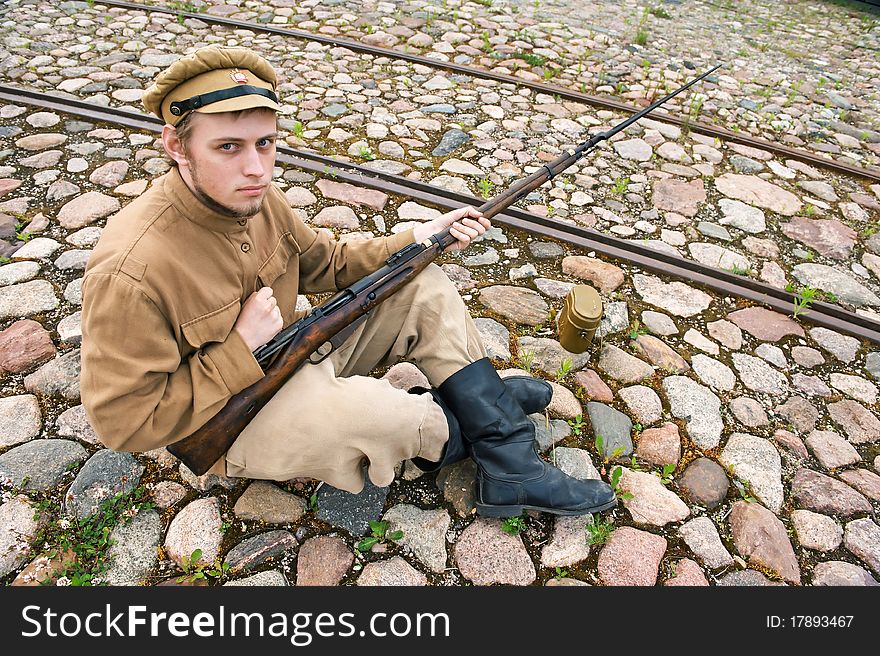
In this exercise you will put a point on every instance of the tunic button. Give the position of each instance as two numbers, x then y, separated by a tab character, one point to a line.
245	247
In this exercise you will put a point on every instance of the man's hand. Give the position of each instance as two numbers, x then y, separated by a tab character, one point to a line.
465	224
260	319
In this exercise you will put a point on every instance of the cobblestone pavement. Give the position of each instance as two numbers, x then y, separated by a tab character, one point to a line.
744	442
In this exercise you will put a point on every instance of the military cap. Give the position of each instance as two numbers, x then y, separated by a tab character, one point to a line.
212	80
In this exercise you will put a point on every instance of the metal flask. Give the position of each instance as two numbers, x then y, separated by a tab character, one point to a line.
580	316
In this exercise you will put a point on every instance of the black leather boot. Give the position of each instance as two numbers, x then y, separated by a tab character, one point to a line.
532	395
455	449
511	476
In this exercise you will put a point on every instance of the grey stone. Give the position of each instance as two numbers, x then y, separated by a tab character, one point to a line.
757	375
351	512
675	297
754	460
840	573
255	550
614	427
450	142
20	418
105	474
26	299
268	578
133	551
393	572
831	280
862	538
40	464
698	406
424	532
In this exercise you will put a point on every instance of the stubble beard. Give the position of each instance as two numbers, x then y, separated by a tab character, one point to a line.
243	213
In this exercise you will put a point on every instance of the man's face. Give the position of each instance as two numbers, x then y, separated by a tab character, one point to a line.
229	159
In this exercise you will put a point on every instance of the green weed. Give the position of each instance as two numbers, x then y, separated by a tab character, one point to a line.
804	297
87	538
485	186
513	525
529	58
564	369
641	37
666	473
193	570
636	330
616	473
599	530
525	360
659	12
380	533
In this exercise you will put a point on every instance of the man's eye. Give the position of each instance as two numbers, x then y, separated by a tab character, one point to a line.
227	146
263	143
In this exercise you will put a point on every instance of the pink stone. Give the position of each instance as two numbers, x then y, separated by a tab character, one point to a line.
791	442
349	193
829	237
755	191
761	537
677	196
594	388
660	446
607	277
765	324
323	560
631	557
7	185
688	573
337	216
23	345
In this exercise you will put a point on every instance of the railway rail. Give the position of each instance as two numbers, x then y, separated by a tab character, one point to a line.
721	281
700	127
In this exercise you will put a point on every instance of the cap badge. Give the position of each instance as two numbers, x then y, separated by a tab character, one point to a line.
238	76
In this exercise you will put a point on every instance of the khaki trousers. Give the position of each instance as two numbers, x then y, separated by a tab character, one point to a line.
330	417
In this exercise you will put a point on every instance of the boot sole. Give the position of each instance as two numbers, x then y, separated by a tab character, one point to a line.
485	510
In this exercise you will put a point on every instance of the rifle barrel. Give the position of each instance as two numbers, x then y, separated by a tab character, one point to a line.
647	110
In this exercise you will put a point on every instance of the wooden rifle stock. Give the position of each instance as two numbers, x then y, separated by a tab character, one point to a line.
200	450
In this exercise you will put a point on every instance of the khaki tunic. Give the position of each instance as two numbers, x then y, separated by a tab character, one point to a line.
161	294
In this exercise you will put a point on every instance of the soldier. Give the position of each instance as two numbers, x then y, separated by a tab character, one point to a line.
204	267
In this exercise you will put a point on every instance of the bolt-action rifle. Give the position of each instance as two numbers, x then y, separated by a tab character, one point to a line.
312	334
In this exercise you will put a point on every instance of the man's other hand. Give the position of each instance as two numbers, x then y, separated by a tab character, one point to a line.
260	318
465	224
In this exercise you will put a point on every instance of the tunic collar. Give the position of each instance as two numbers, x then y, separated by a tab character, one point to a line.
192	208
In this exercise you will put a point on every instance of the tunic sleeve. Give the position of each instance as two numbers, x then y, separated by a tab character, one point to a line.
329	265
137	392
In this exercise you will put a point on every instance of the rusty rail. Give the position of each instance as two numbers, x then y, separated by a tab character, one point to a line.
633	252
